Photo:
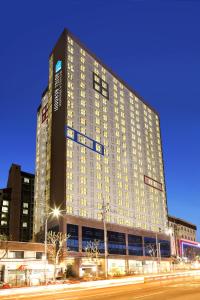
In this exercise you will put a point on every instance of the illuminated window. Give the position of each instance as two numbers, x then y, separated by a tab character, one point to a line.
4	209
69	198
70	133
69	175
25	211
24	224
82	76
69	153
83	112
83	213
25	205
69	164
5	203
69	209
26	180
4	223
83	121
82	59
82	52
83	202
69	186
82	68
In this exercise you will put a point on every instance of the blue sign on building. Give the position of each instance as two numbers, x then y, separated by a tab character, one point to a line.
84	140
58	66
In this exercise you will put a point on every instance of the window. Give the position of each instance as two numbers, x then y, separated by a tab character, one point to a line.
90	235
116	243
26	180
100	86
17	254
72	241
5	203
24	224
4	209
25	211
38	255
25	205
70	133
4	223
135	245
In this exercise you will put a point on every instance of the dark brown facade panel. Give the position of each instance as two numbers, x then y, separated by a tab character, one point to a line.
22	246
58	163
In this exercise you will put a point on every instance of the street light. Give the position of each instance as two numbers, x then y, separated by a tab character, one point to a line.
104	211
55	212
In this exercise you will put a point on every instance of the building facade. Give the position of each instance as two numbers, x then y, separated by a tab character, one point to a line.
181	230
5	199
22	263
17	203
98	143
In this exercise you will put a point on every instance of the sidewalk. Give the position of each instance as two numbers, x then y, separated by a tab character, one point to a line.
69	287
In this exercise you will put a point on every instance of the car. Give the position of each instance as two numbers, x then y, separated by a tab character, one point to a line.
4	285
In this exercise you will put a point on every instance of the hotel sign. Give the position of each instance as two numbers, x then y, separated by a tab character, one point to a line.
58	86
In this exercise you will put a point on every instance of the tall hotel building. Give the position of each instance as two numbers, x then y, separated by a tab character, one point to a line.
98	144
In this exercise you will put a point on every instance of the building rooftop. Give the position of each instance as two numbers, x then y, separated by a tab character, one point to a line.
182	222
67	32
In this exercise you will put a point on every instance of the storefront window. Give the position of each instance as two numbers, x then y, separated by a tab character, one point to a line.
164	248
72	242
116	243
135	245
150	246
91	234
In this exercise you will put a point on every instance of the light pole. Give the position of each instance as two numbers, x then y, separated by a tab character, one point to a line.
104	211
55	213
158	252
170	232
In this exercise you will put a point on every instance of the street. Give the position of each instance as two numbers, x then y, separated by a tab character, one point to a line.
176	289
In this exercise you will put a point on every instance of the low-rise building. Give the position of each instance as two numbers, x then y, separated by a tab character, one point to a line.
17	204
180	230
22	263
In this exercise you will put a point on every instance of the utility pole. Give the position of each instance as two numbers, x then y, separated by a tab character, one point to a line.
104	211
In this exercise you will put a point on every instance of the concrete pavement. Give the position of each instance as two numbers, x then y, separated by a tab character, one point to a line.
110	287
176	289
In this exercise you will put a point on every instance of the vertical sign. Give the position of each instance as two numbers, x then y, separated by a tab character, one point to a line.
58	86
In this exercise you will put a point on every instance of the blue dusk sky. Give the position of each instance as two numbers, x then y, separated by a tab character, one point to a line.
153	45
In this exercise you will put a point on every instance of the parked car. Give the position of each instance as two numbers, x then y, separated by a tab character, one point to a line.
4	285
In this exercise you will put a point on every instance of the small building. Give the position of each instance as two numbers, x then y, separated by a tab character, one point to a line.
17	204
22	263
181	230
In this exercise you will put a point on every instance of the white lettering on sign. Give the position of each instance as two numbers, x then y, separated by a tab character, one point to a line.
58	91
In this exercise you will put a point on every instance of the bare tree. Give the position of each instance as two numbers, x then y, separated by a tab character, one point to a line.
151	248
92	251
56	247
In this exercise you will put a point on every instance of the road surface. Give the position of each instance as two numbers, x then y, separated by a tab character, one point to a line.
176	289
